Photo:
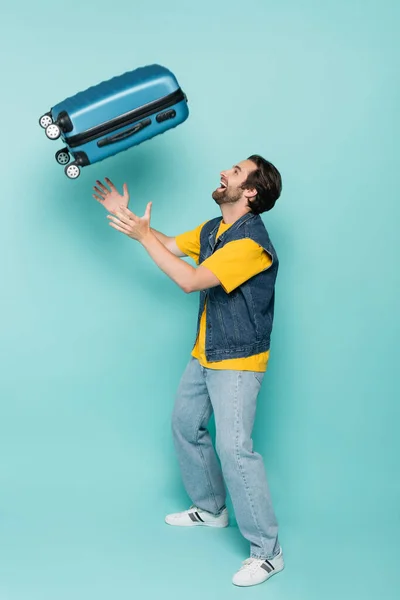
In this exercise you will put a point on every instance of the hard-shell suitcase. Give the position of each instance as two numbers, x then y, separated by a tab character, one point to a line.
115	115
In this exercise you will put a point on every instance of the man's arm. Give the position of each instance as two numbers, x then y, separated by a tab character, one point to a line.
111	199
189	279
168	242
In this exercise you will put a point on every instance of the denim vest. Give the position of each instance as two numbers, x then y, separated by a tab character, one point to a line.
238	324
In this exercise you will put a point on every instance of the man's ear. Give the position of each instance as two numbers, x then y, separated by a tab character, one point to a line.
250	193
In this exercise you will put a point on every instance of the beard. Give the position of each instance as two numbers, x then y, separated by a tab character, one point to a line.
227	195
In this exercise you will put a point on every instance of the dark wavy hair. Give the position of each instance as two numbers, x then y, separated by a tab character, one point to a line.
267	180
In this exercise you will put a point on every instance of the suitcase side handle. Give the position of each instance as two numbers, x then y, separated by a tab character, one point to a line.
125	134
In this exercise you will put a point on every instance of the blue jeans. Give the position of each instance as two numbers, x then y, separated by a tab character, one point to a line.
232	395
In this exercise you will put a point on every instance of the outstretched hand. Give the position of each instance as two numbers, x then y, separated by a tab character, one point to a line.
111	199
130	224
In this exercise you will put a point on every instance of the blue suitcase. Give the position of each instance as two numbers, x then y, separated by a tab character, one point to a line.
115	115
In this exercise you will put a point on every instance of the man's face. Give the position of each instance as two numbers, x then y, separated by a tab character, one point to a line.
231	180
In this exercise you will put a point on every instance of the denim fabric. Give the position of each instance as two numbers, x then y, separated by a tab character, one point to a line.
238	324
232	396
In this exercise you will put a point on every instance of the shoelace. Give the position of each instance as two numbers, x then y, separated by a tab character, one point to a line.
251	564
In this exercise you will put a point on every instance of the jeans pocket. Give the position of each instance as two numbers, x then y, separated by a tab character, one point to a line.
259	376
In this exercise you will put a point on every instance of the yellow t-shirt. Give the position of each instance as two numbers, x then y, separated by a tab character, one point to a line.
233	264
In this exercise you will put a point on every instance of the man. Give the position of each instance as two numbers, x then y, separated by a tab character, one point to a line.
236	272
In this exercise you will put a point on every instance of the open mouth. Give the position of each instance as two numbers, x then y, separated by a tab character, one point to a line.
223	186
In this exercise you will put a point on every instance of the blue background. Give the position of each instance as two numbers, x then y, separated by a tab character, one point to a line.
94	337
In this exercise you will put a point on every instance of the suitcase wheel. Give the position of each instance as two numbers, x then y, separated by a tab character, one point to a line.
62	156
72	171
53	131
45	120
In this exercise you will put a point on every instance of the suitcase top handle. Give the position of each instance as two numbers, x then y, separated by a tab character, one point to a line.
125	134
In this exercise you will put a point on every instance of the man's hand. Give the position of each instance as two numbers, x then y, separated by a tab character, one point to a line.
111	199
188	278
137	228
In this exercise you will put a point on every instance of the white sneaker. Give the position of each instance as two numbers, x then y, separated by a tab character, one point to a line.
255	570
197	517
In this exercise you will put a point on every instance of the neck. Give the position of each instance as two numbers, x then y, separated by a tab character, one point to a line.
232	212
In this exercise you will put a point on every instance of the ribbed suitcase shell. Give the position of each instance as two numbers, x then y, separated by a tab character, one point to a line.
115	108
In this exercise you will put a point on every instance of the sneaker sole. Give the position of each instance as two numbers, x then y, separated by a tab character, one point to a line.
193	524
